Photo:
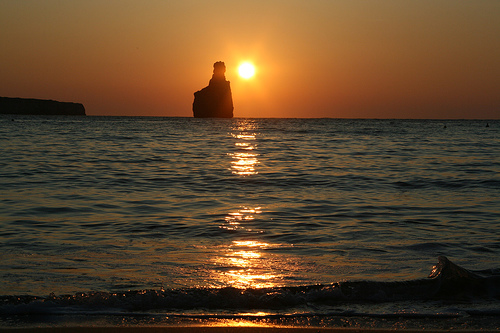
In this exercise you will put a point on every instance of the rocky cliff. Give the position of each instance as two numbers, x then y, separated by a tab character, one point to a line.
33	106
216	99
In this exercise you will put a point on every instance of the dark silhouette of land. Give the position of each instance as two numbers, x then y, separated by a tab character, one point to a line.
31	106
216	99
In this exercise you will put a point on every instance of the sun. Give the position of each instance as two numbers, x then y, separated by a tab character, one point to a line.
246	70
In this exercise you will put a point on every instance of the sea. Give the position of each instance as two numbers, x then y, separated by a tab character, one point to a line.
161	221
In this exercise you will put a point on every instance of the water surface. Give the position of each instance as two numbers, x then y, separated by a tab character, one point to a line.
113	204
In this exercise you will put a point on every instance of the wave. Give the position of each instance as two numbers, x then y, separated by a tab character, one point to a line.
446	282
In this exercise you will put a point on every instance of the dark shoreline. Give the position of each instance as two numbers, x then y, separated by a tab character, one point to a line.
32	106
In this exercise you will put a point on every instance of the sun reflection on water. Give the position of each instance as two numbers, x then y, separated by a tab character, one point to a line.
243	322
244	159
234	220
243	264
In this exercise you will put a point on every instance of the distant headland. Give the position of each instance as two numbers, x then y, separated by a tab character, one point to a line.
31	106
215	100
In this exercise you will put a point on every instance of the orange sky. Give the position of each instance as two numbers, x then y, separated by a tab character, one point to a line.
338	58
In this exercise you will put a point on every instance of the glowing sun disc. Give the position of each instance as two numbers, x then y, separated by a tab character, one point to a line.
246	70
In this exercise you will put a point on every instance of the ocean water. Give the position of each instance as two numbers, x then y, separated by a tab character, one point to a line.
325	222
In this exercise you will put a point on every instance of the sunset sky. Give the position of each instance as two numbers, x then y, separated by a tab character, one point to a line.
331	58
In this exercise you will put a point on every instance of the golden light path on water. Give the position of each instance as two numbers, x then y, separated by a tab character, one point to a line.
244	159
244	263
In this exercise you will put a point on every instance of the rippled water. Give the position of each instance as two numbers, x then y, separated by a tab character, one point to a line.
130	203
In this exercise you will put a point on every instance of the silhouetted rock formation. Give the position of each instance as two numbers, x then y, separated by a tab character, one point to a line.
215	100
33	106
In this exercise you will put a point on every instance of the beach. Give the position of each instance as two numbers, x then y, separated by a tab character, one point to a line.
220	330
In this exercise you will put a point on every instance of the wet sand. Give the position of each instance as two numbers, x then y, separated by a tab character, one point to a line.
197	329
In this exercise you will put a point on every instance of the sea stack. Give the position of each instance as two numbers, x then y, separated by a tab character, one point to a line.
215	100
32	106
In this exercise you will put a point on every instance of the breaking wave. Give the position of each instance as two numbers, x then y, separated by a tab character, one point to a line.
446	282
